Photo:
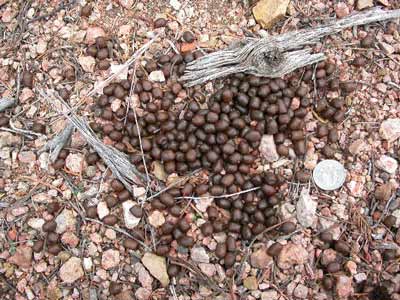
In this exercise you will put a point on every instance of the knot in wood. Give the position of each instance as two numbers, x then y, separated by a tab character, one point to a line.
269	58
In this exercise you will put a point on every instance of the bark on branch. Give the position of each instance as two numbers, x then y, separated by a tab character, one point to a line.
278	55
58	142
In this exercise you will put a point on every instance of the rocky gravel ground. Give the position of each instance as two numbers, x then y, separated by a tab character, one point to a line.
70	230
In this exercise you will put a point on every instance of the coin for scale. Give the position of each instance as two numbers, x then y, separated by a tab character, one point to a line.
329	175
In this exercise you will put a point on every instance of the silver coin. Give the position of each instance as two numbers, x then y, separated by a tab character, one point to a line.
329	174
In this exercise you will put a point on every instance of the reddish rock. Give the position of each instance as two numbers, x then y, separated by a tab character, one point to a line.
142	294
71	270
2	183
260	259
70	239
12	234
187	47
292	254
110	259
344	288
342	10
301	291
268	148
357	147
126	3
22	257
208	269
390	129
88	63
328	256
143	275
75	162
26	157
383	192
356	188
92	33
387	164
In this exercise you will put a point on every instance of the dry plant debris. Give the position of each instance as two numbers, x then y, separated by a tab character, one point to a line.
224	206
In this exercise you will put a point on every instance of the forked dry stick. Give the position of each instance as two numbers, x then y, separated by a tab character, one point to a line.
277	55
117	161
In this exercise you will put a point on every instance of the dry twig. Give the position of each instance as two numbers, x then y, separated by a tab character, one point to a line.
221	196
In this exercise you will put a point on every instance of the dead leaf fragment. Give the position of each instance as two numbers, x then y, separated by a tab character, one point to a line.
157	267
159	171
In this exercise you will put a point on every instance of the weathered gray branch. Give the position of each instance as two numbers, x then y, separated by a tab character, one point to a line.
6	103
277	55
57	143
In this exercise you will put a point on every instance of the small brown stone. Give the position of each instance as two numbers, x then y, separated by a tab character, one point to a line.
160	22
130	244
86	11
188	37
110	220
115	288
49	226
383	192
137	211
38	246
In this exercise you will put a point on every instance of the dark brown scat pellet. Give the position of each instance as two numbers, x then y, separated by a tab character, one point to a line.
115	288
38	246
130	244
27	79
229	260
186	241
137	211
86	10
274	249
342	247
368	41
91	212
173	270
117	186
49	226
111	201
160	22
221	250
333	267
207	229
110	220
52	237
54	249
188	37
288	227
